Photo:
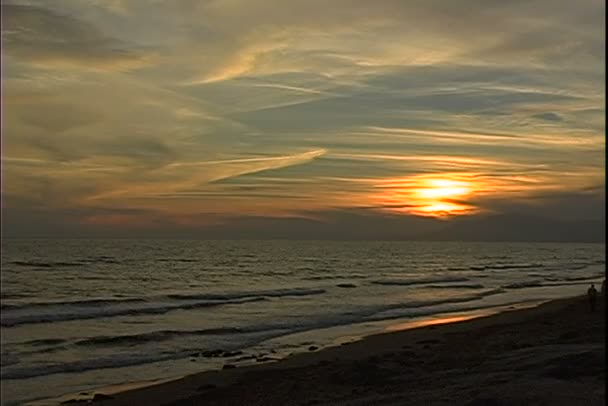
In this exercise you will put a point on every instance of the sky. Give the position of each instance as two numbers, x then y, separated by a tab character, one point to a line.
266	118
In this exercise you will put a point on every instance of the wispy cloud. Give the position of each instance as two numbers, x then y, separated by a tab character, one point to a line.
182	176
277	108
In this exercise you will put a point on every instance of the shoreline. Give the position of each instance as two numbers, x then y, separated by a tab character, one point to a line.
265	358
233	385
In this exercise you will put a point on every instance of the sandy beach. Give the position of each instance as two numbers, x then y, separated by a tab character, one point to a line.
553	354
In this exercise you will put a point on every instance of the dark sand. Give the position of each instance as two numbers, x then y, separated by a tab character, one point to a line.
553	354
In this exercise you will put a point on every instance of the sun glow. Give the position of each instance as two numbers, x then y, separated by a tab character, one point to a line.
436	196
442	189
443	208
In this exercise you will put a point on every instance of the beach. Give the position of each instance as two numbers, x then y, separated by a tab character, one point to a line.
553	354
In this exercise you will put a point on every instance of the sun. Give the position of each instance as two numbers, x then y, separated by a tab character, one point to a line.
431	195
439	197
443	189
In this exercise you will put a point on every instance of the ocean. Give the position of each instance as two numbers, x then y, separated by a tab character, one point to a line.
80	314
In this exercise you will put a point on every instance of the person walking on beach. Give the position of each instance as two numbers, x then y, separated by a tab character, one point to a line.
592	294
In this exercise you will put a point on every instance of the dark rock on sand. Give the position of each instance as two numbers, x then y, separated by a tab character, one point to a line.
265	359
313	348
245	358
205	387
212	353
219	353
231	354
101	396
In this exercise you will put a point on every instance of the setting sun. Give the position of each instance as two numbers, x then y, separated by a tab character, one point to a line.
434	196
442	189
437	195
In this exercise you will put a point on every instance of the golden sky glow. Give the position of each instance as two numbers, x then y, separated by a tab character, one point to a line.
185	113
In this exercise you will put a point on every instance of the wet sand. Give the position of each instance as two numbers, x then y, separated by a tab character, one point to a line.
553	354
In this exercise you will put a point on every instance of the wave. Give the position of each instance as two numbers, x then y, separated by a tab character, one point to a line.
457	299
305	268
271	330
583	278
7	295
572	283
455	286
286	327
514	266
78	303
95	313
548	282
379	312
63	264
421	281
241	295
540	275
177	260
46	264
90	364
457	268
154	336
44	341
333	277
102	259
502	267
49	312
203	296
523	284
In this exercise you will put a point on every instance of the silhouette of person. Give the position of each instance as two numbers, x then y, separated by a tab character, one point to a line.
592	294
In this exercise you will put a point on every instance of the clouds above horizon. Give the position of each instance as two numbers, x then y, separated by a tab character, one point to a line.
273	108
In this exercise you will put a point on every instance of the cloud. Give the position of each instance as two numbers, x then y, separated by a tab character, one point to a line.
189	110
470	32
549	116
52	40
190	175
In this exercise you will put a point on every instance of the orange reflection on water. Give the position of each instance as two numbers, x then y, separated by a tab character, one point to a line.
443	320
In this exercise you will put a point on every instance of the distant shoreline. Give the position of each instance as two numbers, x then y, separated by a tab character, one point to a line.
537	341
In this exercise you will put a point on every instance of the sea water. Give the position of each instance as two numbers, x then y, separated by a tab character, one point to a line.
80	314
